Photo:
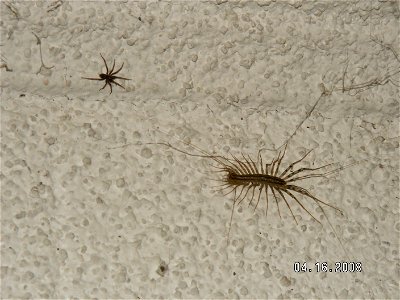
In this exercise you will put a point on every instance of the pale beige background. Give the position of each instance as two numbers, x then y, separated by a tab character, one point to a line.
83	216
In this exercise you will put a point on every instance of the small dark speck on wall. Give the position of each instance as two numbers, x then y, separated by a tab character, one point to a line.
162	269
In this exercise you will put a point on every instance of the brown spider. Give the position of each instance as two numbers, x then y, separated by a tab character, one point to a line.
109	76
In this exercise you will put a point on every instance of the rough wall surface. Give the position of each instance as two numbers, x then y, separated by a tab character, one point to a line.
89	212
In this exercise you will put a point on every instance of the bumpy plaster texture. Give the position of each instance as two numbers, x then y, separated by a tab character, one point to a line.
89	212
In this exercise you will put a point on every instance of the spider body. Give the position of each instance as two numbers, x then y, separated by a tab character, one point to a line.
109	76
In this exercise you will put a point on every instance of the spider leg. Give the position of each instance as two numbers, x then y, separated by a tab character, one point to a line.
104	62
103	86
117	70
112	81
92	78
112	69
109	83
117	77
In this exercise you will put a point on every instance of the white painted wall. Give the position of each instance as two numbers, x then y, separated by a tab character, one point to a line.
85	216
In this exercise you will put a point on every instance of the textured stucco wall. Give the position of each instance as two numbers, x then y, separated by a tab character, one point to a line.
86	215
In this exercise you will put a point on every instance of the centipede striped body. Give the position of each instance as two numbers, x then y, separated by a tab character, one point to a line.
245	176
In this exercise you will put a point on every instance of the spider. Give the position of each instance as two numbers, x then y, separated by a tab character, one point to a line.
109	76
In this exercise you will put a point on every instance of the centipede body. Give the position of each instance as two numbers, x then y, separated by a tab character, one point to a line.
245	176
